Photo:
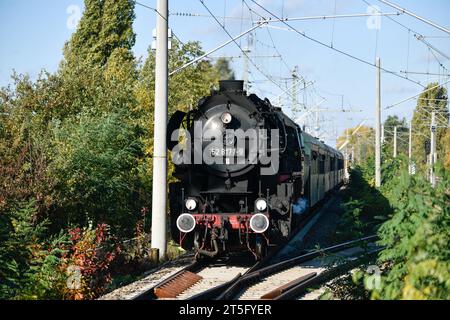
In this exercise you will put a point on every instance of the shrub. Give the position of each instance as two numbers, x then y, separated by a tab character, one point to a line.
416	240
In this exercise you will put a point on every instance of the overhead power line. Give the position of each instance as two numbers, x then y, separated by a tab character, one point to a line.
270	37
421	38
303	34
199	15
240	48
417	35
429	22
233	39
416	95
148	7
336	16
159	14
425	73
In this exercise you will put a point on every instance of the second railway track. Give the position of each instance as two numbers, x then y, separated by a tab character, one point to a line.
291	278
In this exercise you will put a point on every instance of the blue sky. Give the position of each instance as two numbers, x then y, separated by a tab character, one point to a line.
33	34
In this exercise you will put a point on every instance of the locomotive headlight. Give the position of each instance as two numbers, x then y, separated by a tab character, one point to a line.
259	223
191	204
226	117
261	204
186	223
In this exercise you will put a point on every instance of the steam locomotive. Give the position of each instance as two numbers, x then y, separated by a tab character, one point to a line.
247	173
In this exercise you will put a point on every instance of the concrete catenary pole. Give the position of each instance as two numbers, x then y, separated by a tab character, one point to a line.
247	50
378	125
159	196
395	142
433	155
410	149
245	68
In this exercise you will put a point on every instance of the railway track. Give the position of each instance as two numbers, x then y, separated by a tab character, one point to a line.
150	279
229	278
198	277
291	278
188	278
239	277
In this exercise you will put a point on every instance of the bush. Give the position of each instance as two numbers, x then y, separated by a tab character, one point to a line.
414	230
416	240
30	267
95	170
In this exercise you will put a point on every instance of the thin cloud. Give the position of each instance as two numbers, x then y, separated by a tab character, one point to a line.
398	89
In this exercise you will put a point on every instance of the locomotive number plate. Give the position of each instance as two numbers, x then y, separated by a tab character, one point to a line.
228	152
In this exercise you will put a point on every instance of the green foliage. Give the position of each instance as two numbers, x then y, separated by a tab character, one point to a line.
23	146
351	222
106	26
185	89
95	171
29	268
76	151
412	220
364	206
416	240
359	143
432	100
402	134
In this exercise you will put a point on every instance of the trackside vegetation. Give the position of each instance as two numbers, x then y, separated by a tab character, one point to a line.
76	159
412	220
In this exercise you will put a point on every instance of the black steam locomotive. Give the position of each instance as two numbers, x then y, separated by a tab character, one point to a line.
247	172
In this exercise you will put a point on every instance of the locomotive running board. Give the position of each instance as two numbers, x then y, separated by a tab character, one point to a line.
177	285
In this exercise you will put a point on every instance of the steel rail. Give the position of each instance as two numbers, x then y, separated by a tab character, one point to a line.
302	286
193	267
215	292
252	277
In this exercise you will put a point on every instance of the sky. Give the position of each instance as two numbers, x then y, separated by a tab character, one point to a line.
33	33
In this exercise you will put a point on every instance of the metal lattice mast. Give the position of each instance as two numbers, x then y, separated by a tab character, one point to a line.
295	81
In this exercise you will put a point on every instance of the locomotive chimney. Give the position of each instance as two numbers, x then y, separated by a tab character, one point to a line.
231	85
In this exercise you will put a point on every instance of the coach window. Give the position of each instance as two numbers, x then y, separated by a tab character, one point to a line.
321	164
314	162
300	138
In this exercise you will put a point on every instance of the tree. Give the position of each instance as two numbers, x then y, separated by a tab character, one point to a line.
24	146
432	100
185	89
77	145
106	25
446	145
402	133
416	257
96	180
361	143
